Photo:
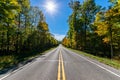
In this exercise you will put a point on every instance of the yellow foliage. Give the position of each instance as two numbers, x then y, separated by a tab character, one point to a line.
14	2
66	42
43	26
102	28
118	2
108	20
98	17
106	40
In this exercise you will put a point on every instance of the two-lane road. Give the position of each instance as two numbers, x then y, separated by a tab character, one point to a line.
62	64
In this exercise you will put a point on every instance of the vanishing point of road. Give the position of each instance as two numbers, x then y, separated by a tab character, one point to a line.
63	64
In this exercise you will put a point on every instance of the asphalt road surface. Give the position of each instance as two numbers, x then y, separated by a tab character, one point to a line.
63	64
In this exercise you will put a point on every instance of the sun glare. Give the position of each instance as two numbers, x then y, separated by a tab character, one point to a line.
50	7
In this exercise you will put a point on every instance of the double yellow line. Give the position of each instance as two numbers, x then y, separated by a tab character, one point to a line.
61	75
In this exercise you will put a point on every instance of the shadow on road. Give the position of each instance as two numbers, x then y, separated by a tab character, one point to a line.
19	65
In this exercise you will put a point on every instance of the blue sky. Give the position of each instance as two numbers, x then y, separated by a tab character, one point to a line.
58	21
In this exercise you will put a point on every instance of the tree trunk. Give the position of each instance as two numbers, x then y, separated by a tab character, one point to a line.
17	42
111	43
8	39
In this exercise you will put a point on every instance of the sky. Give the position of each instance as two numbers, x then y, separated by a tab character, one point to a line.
57	18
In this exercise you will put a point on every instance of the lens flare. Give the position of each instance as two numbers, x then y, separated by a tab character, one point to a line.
50	6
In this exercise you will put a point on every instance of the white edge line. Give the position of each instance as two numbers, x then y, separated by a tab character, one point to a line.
99	66
17	70
4	77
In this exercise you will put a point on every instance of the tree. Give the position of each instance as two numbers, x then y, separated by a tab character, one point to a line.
9	9
88	11
34	16
74	5
82	17
23	29
66	42
107	23
22	21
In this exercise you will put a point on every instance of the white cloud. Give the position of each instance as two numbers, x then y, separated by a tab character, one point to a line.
59	37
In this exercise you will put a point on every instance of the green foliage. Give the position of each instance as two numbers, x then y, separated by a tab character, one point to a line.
94	29
107	23
8	10
6	60
23	30
80	22
73	19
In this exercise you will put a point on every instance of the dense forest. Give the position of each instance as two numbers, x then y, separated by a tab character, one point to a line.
23	31
94	29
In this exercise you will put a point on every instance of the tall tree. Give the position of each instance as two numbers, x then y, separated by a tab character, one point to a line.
9	9
74	5
80	20
22	21
107	23
88	11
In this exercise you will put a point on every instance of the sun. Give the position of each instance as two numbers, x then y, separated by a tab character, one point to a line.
50	6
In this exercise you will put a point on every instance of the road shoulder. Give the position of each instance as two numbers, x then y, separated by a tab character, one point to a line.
95	62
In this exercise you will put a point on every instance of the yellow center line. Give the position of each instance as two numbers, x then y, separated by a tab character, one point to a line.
61	63
59	71
63	70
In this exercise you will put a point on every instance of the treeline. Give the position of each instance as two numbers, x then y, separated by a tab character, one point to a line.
94	29
23	29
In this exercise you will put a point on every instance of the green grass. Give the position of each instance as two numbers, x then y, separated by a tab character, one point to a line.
6	61
11	60
113	63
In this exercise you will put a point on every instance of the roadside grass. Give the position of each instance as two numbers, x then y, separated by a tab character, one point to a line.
8	61
113	63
